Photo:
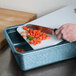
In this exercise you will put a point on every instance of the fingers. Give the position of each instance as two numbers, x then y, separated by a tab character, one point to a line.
58	31
61	32
59	36
67	32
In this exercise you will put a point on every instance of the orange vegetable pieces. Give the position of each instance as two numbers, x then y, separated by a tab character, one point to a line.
24	27
23	35
22	32
20	50
47	37
30	31
37	35
34	42
31	42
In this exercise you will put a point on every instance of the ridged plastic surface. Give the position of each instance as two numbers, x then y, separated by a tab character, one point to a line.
36	58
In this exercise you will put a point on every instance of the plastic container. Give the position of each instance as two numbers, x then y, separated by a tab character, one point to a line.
31	59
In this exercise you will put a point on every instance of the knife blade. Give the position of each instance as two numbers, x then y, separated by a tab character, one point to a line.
41	28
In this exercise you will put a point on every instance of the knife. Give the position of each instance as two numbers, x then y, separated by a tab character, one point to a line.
41	28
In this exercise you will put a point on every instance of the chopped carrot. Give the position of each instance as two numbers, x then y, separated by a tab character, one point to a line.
23	35
20	50
24	27
37	35
22	32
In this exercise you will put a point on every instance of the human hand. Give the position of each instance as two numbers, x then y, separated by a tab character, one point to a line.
67	32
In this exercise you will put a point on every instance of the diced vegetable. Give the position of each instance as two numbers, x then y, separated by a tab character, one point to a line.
22	32
24	27
20	50
34	36
23	35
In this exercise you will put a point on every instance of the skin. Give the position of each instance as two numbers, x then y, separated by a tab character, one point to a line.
67	32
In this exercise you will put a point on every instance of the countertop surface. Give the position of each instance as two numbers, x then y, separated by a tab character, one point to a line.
9	67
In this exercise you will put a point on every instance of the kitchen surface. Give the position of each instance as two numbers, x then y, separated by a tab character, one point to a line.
9	67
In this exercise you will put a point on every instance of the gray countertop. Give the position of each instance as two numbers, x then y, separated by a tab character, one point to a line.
9	67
